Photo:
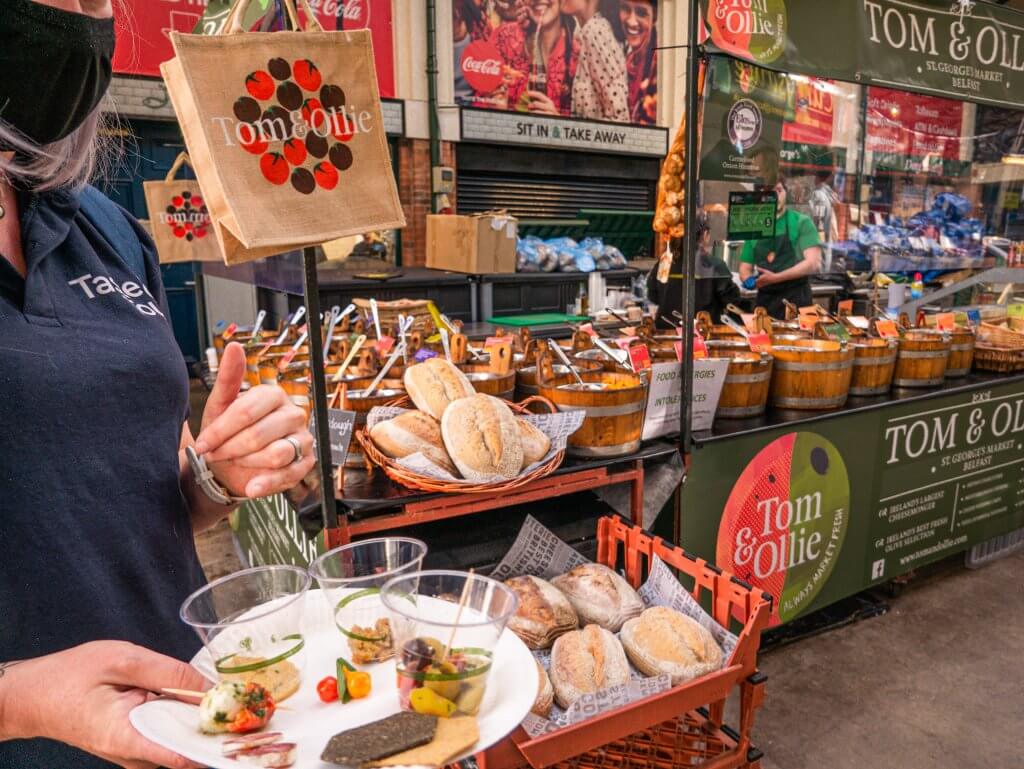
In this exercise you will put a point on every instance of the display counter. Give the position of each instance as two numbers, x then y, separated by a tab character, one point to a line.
532	292
813	507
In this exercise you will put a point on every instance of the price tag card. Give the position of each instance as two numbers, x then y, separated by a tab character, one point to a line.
749	321
287	358
623	342
1015	310
640	357
808	322
945	321
493	341
760	342
846	307
424	354
886	329
340	424
974	317
588	328
859	321
679	350
230	331
700	350
384	344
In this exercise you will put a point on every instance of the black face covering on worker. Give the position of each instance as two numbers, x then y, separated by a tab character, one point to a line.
55	67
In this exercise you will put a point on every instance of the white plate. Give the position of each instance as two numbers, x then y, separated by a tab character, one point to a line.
511	689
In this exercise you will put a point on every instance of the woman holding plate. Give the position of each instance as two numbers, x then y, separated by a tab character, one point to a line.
99	505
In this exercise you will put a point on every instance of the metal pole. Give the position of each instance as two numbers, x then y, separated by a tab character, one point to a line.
690	238
433	124
318	381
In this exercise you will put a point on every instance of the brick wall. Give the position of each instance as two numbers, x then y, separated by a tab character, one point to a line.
414	191
140	98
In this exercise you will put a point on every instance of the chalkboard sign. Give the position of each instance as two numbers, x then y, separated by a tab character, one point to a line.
752	215
340	423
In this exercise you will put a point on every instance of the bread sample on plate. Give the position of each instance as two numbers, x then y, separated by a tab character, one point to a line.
482	438
545	694
535	443
585	661
411	432
599	595
435	383
663	640
543	613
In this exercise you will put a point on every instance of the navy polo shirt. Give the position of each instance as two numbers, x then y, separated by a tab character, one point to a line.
95	534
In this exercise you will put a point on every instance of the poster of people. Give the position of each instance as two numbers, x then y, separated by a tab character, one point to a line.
593	59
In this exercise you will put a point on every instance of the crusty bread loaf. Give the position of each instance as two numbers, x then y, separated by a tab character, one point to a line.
410	432
585	661
435	383
545	694
535	443
543	613
662	640
482	438
599	595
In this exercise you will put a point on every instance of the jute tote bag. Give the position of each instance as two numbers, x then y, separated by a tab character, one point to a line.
180	219
285	133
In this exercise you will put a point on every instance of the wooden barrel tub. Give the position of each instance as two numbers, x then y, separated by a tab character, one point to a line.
526	377
923	356
747	380
874	363
961	353
614	418
811	375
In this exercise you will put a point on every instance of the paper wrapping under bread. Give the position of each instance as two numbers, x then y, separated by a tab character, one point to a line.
558	427
538	552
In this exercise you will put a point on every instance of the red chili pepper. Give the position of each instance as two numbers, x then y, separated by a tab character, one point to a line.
328	689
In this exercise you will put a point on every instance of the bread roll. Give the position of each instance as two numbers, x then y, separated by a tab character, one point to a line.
586	661
599	595
482	438
545	694
662	640
535	443
434	384
543	613
411	432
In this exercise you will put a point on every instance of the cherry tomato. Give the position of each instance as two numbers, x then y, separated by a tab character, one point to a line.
328	689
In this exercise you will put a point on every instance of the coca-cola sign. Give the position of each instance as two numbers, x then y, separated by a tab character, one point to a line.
482	67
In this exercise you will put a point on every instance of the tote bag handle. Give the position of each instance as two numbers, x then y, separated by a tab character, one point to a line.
181	160
233	24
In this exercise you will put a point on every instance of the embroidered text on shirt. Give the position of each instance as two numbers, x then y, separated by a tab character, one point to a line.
129	291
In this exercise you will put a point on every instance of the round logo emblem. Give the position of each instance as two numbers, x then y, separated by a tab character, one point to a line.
744	124
785	521
481	65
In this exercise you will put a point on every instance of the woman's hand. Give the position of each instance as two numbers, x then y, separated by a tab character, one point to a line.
243	438
82	696
541	102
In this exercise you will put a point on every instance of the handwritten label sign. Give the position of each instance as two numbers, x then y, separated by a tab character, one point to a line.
494	341
837	331
230	331
886	329
423	354
859	321
846	307
340	424
945	321
974	317
808	322
588	328
749	321
384	344
700	349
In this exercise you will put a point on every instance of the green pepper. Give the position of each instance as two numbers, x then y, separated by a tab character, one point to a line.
341	665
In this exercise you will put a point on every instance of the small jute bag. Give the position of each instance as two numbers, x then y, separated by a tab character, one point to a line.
180	219
285	133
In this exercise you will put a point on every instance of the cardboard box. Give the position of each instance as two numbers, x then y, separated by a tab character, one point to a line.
482	243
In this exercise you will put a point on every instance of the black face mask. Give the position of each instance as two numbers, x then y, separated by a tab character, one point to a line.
55	67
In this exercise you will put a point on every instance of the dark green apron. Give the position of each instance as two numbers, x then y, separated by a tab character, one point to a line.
777	254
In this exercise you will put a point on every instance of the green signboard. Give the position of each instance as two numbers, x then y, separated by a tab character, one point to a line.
744	109
752	215
269	532
972	50
815	513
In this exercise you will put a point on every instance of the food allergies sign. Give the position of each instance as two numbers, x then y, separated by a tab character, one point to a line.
970	50
815	514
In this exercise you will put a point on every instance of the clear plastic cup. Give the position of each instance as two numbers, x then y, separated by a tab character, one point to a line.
351	578
444	651
251	625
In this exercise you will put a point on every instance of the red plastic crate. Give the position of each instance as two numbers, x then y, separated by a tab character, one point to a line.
651	732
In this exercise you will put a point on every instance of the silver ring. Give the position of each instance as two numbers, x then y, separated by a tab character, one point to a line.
298	448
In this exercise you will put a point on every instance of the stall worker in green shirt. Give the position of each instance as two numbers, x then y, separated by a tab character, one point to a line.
784	263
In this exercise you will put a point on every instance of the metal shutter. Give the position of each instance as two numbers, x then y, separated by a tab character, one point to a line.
550	197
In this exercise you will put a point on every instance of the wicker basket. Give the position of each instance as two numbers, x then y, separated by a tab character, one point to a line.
1000	336
389	312
1017	324
1003	360
411	480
